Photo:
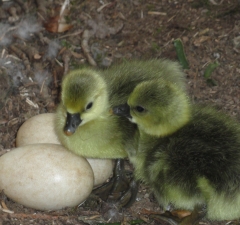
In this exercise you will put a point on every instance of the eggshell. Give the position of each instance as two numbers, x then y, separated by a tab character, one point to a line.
40	129
102	169
45	176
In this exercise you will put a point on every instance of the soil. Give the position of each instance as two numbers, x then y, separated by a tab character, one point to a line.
35	54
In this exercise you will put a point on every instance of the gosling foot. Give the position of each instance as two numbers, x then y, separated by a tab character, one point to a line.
119	189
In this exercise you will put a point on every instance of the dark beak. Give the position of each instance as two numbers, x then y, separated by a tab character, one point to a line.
122	110
72	123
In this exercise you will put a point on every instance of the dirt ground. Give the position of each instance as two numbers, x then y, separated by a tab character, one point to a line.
34	56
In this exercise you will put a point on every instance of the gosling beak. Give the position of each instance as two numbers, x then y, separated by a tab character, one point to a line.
122	110
72	123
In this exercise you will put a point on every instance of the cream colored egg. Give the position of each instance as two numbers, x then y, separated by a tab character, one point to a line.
45	176
40	129
102	169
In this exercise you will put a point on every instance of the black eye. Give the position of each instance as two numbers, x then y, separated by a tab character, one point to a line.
89	106
140	109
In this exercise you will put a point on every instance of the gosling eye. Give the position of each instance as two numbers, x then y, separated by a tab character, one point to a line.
139	109
89	106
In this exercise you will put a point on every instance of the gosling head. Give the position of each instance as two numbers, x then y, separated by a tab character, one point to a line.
158	107
84	97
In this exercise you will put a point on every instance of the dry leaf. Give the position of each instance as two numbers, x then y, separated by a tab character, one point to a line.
200	40
57	24
37	56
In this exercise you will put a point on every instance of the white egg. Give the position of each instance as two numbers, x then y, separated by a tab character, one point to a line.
45	176
40	129
102	169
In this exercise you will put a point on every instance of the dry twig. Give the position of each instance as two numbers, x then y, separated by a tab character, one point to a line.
8	30
30	51
66	59
3	14
73	34
43	39
3	206
14	17
86	49
41	8
21	55
215	3
22	5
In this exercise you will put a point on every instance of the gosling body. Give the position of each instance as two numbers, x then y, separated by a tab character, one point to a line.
198	164
83	122
123	78
188	154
